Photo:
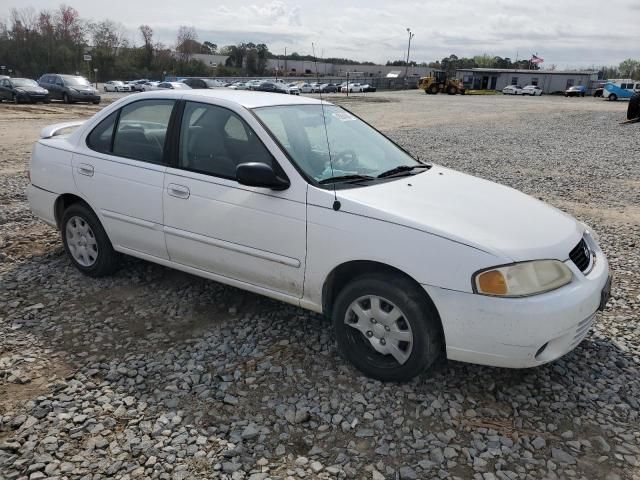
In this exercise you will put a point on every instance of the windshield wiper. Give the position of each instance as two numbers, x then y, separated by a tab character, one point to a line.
402	169
345	178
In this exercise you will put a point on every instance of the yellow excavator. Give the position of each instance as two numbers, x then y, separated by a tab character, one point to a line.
439	83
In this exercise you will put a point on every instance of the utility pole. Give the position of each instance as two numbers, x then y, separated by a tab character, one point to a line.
406	70
285	61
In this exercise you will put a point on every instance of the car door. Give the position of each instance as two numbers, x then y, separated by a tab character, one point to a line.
5	89
212	223
120	171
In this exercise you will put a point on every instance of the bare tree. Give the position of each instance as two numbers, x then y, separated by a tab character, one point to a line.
187	42
147	38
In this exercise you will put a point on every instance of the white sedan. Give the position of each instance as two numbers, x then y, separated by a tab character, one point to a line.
411	261
512	90
353	87
116	86
172	86
532	90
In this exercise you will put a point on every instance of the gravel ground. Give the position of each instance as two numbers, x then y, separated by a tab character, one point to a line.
154	373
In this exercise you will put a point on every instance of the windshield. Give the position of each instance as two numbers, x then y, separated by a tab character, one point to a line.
210	83
356	148
76	81
24	82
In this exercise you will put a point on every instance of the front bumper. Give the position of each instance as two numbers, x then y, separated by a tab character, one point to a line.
521	332
82	97
33	97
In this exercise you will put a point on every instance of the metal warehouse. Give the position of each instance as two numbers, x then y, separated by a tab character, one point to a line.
549	81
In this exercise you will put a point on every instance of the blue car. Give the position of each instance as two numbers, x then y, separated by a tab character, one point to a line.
575	91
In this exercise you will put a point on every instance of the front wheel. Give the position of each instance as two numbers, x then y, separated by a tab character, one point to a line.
613	97
386	327
15	99
86	242
65	98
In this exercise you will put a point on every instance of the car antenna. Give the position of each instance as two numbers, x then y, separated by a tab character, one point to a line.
336	203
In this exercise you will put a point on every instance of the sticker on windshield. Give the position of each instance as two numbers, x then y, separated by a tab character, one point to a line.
344	116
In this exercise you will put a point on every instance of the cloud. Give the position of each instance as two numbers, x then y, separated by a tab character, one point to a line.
564	33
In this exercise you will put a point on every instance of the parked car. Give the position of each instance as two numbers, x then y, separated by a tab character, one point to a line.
20	90
239	86
368	88
203	83
532	90
116	86
254	84
137	85
328	88
353	87
291	89
512	90
172	86
306	88
269	87
575	91
633	110
410	260
149	86
69	88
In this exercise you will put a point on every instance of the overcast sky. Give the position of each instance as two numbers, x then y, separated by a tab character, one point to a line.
566	33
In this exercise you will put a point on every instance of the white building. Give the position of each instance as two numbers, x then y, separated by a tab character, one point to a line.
549	81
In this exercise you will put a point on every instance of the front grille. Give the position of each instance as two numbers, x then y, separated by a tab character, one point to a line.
581	256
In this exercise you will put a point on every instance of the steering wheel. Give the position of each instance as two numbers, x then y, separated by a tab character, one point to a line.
345	159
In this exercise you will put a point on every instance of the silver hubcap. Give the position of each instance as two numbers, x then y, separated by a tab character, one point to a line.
81	241
383	325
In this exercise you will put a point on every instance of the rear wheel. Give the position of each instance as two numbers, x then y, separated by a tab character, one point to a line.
433	89
452	90
15	99
86	242
613	97
65	98
386	327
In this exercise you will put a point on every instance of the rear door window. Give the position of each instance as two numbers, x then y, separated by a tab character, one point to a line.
101	136
142	130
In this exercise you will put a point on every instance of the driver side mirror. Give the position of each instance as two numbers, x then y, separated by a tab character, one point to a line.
257	174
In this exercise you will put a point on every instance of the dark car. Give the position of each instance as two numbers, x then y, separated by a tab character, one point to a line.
575	91
633	110
368	88
22	90
329	88
268	87
200	83
69	88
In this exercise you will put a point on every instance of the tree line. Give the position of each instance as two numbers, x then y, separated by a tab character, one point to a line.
35	42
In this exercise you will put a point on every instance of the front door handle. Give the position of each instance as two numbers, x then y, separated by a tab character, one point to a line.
85	169
178	191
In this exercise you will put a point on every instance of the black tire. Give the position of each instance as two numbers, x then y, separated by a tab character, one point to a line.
15	99
418	313
433	89
451	91
108	260
66	98
613	97
633	111
582	94
97	102
105	89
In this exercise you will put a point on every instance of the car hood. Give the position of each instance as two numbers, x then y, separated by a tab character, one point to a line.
469	210
33	89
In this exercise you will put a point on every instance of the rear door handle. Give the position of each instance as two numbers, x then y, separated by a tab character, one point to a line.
178	191
85	169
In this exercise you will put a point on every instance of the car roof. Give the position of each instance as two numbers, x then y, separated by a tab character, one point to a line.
245	98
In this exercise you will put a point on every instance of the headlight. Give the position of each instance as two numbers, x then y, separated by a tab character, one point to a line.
522	279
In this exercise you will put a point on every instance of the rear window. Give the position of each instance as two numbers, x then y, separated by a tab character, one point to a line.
100	137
